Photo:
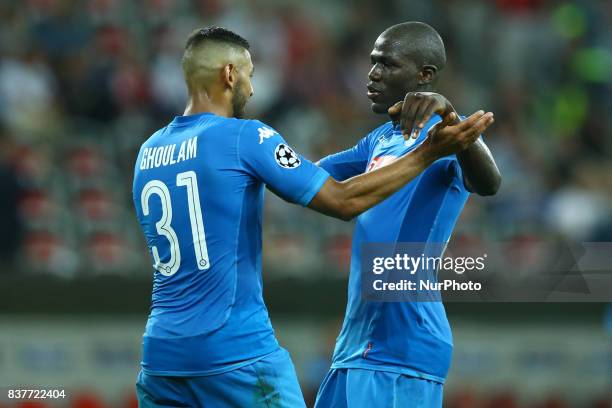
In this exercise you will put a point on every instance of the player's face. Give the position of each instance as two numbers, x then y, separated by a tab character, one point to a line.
243	89
393	74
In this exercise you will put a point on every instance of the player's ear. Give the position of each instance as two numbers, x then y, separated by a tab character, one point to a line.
427	74
228	75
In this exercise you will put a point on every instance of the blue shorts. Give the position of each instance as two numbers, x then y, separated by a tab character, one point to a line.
269	382
357	388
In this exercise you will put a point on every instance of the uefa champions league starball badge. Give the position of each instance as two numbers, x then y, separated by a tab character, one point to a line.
286	157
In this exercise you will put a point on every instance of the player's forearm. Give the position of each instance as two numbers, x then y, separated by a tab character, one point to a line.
479	169
360	193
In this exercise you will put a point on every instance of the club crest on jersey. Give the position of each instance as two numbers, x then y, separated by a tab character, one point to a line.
286	157
265	133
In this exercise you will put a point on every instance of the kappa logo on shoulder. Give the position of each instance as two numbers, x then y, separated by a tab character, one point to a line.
265	133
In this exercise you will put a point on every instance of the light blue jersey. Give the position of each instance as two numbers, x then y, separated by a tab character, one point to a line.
411	338
198	192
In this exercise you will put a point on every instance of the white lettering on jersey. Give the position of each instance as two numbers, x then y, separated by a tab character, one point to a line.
158	155
192	148
143	161
167	151
265	133
181	155
153	157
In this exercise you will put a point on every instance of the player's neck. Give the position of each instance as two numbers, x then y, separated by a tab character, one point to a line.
200	104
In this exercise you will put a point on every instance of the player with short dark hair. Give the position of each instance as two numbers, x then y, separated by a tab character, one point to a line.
198	192
392	354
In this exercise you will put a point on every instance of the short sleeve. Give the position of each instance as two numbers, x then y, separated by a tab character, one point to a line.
265	155
348	163
455	174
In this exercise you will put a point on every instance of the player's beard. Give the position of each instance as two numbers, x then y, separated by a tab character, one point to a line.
239	100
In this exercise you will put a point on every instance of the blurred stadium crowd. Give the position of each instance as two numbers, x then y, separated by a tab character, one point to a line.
84	82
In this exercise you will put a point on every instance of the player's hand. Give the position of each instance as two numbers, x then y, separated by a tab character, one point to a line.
416	109
450	137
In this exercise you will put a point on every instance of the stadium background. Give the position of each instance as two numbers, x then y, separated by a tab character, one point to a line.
84	82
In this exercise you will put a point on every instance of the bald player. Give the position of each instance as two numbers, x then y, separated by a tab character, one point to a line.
397	354
198	192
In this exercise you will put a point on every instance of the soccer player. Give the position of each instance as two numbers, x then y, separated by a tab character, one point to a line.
397	354
198	193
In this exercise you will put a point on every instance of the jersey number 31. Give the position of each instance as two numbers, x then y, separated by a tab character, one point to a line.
187	179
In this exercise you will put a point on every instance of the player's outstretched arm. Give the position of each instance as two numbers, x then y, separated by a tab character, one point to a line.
480	173
347	199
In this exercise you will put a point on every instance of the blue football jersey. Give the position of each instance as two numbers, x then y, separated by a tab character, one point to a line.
412	338
198	192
